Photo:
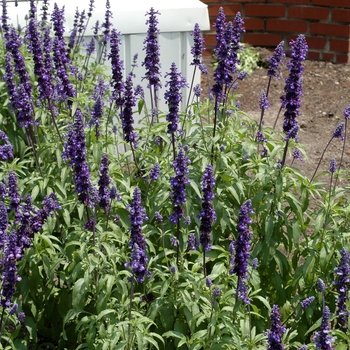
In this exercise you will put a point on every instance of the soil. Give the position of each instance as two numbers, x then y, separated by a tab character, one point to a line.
326	94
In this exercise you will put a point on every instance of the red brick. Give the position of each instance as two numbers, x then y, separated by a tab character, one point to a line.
327	56
229	10
340	45
294	2
308	12
342	58
265	10
316	42
210	39
332	3
262	39
208	52
254	24
312	55
330	29
282	25
341	15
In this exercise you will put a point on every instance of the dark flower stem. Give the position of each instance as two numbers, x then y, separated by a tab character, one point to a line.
285	153
178	244
214	129
30	140
342	152
278	115
319	162
263	109
130	309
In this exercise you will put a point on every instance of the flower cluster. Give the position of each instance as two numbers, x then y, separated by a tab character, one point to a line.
240	250
342	282
103	184
323	339
173	97
6	150
198	45
228	38
207	215
155	171
117	68
293	88
152	59
138	243
178	184
127	114
276	330
274	70
307	302
75	150
107	24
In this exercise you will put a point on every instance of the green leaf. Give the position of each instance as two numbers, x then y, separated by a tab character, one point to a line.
78	296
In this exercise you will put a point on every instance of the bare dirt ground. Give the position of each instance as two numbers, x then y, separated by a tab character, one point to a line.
326	94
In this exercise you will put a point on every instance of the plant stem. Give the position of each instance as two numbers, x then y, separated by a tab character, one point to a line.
130	309
319	162
278	115
342	152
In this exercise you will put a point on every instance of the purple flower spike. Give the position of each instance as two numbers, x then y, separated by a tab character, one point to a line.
347	112
333	166
207	215
9	270
75	150
178	183
208	282
320	285
152	59
293	87
197	90
198	45
91	8
155	171
107	24
307	302
49	206
342	282
263	102
158	217
240	250
137	217
323	339
216	292
274	70
103	184
276	330
15	198
192	242
6	150
138	243
34	40
173	97
226	50
297	155
117	68
338	132
127	114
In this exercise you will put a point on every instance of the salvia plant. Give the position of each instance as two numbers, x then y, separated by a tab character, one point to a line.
191	231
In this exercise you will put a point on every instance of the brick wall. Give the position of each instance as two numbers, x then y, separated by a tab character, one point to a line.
325	24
